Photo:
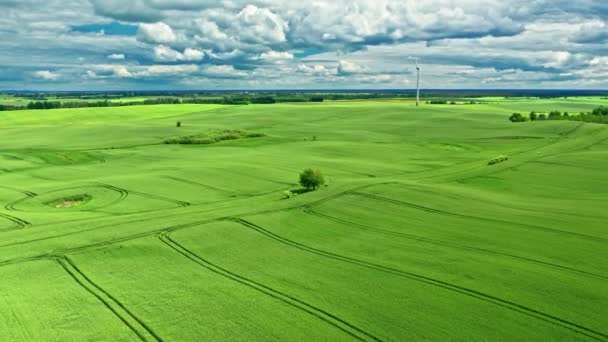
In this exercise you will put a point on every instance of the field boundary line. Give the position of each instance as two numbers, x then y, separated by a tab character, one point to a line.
506	304
321	314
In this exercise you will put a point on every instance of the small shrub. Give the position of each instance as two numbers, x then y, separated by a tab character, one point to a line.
311	179
498	159
254	135
289	194
178	124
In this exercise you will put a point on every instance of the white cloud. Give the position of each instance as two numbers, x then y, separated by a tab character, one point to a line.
168	70
130	10
508	43
223	71
108	70
261	25
164	53
275	56
558	59
116	56
160	33
46	75
315	69
348	68
210	30
193	54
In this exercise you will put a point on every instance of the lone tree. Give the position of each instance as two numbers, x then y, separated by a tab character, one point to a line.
311	179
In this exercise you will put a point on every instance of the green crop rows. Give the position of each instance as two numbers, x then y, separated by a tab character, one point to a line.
109	233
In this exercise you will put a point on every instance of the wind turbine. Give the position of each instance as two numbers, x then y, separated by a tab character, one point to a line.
418	68
417	83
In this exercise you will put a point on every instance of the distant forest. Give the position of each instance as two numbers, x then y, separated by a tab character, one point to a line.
52	100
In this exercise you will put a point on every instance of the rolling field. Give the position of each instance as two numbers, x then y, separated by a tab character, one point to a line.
108	233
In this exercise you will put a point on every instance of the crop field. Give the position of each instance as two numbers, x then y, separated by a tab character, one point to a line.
114	226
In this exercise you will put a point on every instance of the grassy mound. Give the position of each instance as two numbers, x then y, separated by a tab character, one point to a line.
212	137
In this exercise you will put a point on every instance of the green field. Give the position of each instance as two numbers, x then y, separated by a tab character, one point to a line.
108	233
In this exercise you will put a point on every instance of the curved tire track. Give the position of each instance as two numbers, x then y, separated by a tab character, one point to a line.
19	223
506	304
140	328
442	212
453	245
321	314
122	195
205	186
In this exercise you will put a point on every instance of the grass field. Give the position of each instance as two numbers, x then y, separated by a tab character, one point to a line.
108	233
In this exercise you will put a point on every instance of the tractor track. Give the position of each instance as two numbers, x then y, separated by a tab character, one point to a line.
190	182
441	212
435	282
310	211
25	192
143	194
140	220
321	314
19	223
144	332
122	195
135	324
515	307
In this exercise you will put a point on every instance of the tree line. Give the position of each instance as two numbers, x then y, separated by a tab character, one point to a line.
227	100
598	115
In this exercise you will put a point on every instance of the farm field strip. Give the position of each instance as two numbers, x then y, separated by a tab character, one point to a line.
414	236
455	245
435	282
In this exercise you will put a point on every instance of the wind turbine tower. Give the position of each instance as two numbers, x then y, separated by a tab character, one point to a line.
417	83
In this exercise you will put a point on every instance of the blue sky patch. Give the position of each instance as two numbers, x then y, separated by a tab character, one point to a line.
111	29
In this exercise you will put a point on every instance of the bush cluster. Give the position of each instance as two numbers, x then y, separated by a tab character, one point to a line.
598	115
212	138
517	117
501	158
601	110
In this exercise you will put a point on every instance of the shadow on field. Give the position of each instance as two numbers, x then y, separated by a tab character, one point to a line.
301	191
295	192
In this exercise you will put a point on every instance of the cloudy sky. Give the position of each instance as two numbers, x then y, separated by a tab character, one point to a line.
309	44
